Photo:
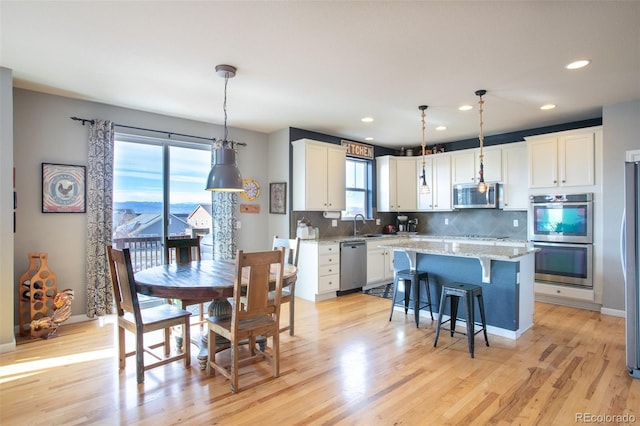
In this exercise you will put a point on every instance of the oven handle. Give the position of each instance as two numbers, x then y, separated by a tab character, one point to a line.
546	243
623	245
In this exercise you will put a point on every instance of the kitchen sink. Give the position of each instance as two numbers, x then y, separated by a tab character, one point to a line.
374	235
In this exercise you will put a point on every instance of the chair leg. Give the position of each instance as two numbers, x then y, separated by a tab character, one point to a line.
139	357
407	296
415	284
292	305
454	312
275	356
234	367
443	299
211	352
201	316
470	324
187	344
393	299
483	319
427	285
122	352
167	341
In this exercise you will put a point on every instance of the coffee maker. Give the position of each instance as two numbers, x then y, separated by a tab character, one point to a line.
412	225
402	223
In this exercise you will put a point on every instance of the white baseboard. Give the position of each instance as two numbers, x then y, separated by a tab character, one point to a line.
8	347
613	312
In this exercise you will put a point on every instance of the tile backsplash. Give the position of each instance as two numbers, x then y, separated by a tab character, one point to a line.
476	222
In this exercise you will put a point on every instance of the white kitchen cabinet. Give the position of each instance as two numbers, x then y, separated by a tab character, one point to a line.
514	173
563	159
438	176
379	261
397	182
318	270
318	176
465	165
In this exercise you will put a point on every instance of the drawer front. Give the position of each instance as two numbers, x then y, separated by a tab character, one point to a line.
328	270
329	283
329	249
329	259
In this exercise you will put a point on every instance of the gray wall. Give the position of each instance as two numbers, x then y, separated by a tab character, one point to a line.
7	340
621	132
44	133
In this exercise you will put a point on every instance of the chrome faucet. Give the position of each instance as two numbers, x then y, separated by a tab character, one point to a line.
355	224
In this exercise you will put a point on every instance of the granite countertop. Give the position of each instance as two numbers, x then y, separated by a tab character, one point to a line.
465	248
509	242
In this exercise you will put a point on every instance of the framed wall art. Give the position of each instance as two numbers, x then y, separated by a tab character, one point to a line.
278	198
64	188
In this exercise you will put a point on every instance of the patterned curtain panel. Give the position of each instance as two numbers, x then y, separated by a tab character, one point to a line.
99	217
223	208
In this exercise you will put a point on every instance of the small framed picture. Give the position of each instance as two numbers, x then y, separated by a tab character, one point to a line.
278	198
64	188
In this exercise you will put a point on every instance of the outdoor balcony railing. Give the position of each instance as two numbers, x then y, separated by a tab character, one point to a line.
146	252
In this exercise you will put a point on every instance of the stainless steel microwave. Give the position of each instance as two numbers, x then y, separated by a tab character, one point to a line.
467	196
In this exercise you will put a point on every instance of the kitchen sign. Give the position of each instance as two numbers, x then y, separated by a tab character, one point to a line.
356	149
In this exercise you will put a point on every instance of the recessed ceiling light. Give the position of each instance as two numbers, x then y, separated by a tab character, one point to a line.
578	64
367	119
547	106
465	108
441	128
368	138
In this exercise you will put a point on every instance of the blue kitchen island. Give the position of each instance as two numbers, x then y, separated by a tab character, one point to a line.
504	269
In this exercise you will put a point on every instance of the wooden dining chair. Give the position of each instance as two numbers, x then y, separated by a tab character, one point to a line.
185	250
140	321
254	313
292	247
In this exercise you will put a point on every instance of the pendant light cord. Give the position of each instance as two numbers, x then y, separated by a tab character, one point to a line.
224	108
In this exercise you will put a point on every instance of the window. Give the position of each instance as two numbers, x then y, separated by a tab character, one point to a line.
158	191
358	177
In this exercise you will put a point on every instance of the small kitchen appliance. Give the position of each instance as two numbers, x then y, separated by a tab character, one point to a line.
402	223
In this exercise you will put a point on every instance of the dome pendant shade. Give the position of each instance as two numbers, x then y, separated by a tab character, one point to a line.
225	176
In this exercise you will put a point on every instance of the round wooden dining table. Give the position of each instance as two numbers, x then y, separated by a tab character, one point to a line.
198	281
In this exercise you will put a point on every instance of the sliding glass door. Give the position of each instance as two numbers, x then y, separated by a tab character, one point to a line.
158	191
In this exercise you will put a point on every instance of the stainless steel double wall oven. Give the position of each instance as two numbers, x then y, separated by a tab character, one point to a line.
561	226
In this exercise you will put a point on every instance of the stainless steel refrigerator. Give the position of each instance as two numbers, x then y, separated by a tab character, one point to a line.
630	253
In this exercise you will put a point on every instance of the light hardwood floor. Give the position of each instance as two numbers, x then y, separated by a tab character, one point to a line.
347	364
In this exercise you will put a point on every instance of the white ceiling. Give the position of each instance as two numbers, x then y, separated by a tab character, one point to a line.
322	66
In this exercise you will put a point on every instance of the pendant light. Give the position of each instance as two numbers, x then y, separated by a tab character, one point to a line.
225	176
482	186
424	187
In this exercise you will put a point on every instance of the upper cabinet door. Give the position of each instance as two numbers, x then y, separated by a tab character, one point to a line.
514	171
565	159
576	159
406	184
396	184
543	163
466	165
336	179
318	176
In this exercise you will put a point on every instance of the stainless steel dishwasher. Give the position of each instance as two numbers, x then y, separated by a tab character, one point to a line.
353	265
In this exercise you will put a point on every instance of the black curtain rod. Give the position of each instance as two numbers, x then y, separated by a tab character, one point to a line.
169	134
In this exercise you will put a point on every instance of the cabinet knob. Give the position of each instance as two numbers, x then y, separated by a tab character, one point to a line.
555	181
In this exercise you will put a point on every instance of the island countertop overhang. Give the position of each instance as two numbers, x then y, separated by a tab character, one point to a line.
464	249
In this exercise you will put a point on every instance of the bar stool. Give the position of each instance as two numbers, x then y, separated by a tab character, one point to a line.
455	291
415	277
